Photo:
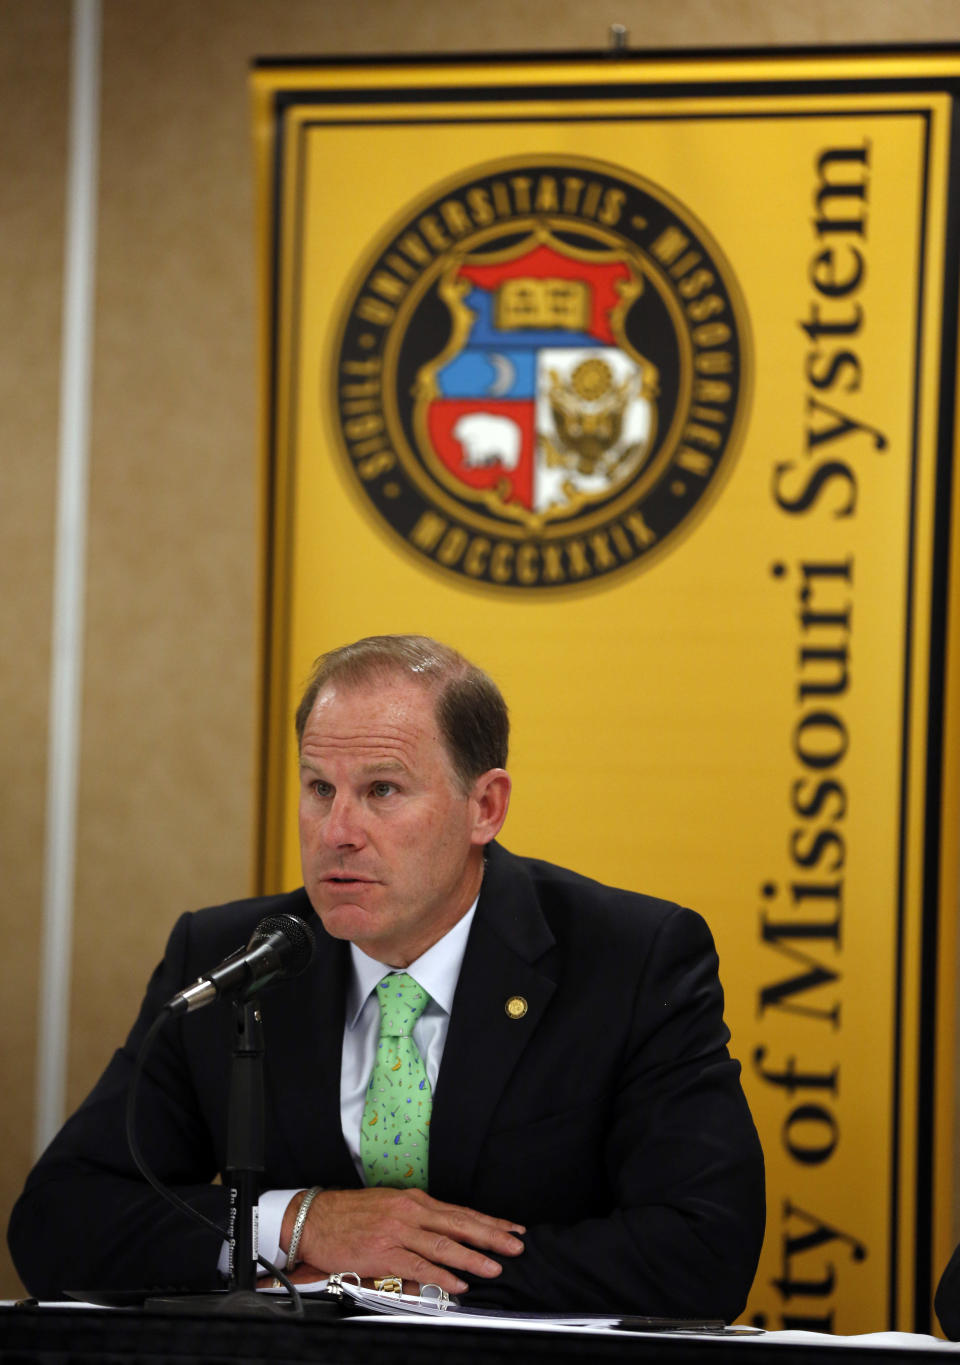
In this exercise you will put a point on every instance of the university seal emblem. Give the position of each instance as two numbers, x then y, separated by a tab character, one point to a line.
542	374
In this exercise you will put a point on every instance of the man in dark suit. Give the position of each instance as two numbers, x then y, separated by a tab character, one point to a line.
582	1143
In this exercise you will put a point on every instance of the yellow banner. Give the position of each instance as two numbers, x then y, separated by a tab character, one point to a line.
634	381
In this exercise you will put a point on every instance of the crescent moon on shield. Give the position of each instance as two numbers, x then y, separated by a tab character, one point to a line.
505	374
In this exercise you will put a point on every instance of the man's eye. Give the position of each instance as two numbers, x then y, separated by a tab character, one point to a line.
321	788
383	788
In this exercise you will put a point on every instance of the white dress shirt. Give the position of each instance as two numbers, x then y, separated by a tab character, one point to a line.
437	971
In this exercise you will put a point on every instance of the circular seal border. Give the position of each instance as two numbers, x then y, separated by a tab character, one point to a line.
390	473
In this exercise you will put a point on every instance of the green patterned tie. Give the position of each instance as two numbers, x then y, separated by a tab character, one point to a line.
394	1135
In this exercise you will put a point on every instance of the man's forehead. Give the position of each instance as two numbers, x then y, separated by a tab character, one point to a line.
374	698
372	761
390	718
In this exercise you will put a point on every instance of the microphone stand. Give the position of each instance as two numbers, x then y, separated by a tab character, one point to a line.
280	946
245	1163
245	1143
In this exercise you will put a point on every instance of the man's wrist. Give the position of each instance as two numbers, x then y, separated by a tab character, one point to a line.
272	1218
289	1218
300	1218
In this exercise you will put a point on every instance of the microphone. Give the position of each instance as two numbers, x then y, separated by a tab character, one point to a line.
279	947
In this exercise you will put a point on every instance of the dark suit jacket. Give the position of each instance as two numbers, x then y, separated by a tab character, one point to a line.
609	1119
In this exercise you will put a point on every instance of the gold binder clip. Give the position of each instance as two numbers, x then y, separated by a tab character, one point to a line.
390	1284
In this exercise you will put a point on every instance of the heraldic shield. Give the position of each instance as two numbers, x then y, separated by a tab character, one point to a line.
538	405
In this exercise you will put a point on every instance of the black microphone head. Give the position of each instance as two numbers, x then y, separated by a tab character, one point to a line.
294	946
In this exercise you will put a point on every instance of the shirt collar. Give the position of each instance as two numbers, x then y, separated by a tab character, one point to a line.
437	970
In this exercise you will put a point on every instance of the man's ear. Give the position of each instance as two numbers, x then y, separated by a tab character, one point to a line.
490	798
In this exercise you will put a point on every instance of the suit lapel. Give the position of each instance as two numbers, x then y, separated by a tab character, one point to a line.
503	991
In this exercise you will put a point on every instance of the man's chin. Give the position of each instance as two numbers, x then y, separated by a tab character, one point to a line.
345	919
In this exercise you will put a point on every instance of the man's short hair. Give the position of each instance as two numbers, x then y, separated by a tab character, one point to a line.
469	707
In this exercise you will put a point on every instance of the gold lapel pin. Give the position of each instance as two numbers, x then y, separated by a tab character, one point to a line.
516	1007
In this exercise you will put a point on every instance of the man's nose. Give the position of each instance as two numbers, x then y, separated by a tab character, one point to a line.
343	827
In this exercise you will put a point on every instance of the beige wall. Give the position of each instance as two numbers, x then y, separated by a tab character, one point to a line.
168	723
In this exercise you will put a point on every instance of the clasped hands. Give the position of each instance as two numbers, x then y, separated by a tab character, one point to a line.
378	1232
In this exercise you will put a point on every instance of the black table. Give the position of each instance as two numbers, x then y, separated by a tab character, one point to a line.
74	1336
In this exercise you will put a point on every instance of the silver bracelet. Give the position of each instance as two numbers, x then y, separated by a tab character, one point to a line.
301	1218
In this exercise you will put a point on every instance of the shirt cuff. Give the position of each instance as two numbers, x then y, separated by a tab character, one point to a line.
271	1206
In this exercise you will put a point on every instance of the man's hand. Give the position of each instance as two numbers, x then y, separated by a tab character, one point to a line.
378	1232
